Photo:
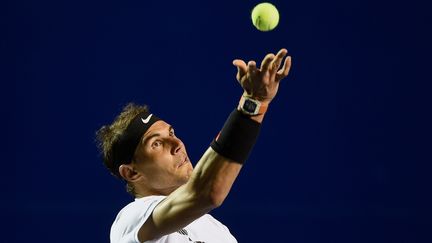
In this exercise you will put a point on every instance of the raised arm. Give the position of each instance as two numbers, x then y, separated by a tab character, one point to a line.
215	174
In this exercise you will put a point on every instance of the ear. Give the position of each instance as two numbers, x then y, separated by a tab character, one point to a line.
129	173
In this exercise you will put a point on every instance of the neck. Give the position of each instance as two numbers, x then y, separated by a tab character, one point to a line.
145	192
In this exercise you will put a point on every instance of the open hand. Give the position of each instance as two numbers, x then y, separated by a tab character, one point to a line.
263	83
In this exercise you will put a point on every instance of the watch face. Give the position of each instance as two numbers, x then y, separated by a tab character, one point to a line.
249	106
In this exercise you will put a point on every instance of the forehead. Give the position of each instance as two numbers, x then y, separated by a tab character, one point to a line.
157	127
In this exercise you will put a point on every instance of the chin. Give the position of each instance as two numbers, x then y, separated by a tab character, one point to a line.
189	170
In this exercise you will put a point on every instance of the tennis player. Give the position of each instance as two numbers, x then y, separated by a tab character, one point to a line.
173	199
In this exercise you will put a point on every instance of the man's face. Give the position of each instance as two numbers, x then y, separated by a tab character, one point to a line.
162	159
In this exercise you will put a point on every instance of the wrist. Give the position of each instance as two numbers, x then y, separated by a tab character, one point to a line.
265	101
252	108
237	137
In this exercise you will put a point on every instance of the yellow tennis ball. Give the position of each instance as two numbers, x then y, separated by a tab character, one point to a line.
265	16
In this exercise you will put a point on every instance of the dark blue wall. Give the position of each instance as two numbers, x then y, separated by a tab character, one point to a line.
344	155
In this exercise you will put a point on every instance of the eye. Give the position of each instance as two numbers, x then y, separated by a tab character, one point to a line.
156	144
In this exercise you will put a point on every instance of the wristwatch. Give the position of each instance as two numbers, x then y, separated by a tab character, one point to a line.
251	106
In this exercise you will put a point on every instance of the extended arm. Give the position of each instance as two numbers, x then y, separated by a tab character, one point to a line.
215	174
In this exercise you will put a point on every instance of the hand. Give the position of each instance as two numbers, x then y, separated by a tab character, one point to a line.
262	84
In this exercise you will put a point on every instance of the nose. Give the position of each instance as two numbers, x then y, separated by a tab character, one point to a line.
177	145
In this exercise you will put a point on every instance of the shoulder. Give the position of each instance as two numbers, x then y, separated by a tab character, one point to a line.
140	206
132	217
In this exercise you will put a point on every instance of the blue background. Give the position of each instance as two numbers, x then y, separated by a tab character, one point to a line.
345	150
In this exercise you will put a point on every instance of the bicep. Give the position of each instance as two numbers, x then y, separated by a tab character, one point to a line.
176	211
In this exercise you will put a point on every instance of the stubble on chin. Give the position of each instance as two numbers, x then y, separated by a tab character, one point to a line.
189	171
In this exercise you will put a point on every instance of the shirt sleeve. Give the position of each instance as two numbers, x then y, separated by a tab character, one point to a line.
130	219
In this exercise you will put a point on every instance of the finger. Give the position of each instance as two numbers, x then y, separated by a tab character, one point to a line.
252	67
241	68
275	64
266	62
285	69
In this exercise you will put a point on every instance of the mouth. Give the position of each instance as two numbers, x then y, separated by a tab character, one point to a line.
183	162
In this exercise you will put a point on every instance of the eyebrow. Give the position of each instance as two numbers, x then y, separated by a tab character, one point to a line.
145	140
